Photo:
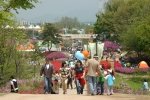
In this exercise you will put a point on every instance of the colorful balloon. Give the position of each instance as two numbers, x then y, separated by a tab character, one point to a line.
79	56
85	53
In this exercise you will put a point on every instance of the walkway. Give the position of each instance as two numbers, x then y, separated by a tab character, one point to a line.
71	95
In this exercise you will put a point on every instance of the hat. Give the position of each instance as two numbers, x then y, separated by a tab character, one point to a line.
100	66
109	70
95	56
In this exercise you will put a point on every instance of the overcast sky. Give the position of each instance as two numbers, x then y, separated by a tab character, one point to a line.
58	7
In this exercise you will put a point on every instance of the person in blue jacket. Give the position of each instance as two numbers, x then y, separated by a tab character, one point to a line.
110	82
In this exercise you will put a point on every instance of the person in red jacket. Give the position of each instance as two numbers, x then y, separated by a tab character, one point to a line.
79	77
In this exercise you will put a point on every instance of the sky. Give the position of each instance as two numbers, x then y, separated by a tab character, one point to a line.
57	7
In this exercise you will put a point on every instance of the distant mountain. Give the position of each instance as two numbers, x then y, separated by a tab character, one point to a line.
82	15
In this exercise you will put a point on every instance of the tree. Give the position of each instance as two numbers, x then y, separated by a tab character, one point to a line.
8	36
6	6
130	22
67	22
50	35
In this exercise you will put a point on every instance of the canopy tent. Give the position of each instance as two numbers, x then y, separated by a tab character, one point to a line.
37	27
143	64
31	27
28	47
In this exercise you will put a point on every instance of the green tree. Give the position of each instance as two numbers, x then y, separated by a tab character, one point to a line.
9	37
50	35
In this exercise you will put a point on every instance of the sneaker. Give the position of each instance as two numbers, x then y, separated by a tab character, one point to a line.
46	92
98	93
92	94
64	92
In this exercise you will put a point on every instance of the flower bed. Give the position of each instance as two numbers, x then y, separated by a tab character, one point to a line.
131	70
33	86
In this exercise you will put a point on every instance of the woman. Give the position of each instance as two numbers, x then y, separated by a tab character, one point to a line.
64	71
79	72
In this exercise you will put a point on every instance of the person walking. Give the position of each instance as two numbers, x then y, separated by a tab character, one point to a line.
79	72
93	69
47	69
100	84
70	79
64	72
110	82
13	84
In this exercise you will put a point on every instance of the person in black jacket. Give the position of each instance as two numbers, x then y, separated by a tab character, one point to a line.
13	84
47	69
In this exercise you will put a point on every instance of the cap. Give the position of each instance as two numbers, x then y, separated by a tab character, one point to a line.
95	56
109	70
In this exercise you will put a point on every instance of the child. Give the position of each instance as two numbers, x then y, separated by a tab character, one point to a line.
56	82
110	82
145	85
100	84
70	79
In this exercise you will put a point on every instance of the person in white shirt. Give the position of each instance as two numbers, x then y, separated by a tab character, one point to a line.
13	84
145	85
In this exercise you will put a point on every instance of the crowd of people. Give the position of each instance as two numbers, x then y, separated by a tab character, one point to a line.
85	72
77	74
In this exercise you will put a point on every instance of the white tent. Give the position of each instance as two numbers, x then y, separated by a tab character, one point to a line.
21	27
37	27
31	27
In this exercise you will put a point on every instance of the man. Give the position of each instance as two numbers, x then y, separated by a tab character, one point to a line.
93	69
47	69
14	85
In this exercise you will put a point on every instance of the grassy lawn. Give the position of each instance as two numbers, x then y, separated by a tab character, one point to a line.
131	81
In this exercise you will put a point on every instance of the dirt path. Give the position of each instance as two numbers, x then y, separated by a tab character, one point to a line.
71	95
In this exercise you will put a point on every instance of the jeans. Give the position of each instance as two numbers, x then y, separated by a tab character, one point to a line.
47	84
79	87
92	83
101	86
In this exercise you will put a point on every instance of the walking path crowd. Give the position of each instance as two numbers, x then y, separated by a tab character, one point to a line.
88	72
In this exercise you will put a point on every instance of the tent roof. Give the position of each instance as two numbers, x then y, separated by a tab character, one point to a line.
37	27
143	64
